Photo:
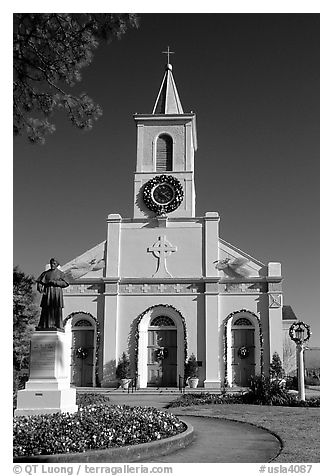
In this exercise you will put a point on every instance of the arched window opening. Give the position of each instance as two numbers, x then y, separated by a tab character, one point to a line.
242	321
164	147
162	321
83	323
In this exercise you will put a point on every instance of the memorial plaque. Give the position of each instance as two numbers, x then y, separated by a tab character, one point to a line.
42	359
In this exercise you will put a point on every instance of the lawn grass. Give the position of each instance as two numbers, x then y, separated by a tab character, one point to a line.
297	427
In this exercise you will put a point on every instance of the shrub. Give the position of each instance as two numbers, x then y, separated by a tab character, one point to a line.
123	367
92	427
85	399
275	368
291	383
312	380
191	367
264	391
19	382
190	399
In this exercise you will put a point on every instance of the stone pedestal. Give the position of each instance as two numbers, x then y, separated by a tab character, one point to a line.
48	388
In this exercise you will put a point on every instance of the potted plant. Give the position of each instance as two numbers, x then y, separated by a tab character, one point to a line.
123	370
191	371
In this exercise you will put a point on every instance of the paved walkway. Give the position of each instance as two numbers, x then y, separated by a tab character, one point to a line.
215	440
222	441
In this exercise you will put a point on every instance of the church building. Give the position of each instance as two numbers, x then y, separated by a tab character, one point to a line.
163	284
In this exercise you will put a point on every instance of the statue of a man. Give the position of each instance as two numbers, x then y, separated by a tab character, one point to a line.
50	284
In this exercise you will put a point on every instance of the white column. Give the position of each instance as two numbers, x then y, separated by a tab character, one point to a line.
211	224
113	245
300	372
110	351
213	379
275	303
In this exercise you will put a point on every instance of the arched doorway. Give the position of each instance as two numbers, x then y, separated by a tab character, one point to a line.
83	351
161	338
243	351
243	347
162	352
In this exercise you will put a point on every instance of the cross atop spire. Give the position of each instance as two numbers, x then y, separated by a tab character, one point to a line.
168	53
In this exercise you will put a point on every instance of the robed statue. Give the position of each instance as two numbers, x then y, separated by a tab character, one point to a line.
50	284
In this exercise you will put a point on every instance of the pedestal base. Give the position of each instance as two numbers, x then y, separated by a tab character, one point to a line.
48	388
34	402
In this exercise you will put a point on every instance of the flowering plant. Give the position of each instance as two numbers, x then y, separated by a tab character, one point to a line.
95	426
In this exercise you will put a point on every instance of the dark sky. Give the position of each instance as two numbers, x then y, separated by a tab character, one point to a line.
253	81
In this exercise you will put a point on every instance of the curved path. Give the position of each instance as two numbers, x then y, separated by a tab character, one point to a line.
215	440
224	441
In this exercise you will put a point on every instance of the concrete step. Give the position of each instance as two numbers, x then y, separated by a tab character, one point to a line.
157	390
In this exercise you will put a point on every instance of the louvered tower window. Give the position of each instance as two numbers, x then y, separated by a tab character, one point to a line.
164	153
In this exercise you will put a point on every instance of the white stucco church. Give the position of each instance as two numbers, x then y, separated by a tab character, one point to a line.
164	279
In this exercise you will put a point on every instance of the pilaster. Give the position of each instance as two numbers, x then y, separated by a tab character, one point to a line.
113	244
211	224
275	303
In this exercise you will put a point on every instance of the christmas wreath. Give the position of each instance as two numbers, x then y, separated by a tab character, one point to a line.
161	353
298	326
243	352
168	207
82	353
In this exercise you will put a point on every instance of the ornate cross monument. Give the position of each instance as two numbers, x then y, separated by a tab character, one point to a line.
161	249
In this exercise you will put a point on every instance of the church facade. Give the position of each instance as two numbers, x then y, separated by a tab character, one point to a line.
163	285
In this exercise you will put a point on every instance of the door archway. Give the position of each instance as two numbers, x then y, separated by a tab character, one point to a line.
83	344
161	346
243	351
243	347
162	352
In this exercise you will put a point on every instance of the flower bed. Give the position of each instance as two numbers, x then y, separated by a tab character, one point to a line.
91	427
290	400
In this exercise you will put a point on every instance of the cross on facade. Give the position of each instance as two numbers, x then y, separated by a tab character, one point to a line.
168	53
161	249
128	288
178	287
145	288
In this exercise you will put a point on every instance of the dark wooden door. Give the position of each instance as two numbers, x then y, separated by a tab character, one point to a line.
243	367
162	358
82	360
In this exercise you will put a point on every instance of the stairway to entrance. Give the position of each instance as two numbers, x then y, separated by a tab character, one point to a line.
158	390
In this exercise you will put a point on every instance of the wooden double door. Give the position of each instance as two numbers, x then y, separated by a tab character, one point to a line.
82	357
243	358
162	358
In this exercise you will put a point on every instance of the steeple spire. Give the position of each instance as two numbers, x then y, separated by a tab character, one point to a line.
168	101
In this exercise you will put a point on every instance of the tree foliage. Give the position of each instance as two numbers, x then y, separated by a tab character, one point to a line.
276	369
25	314
50	50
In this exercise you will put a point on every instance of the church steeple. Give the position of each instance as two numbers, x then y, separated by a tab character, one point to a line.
168	101
166	144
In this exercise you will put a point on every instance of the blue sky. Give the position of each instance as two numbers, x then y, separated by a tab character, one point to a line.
253	81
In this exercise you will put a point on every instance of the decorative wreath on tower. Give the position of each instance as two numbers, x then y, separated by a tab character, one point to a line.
243	352
299	325
149	201
82	353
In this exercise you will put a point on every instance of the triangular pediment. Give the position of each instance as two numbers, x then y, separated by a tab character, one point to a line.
90	264
235	263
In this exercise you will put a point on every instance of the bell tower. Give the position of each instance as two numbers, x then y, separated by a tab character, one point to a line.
166	144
